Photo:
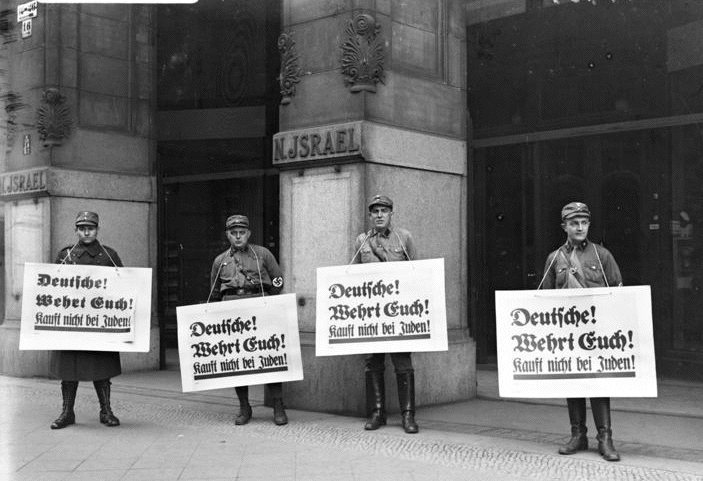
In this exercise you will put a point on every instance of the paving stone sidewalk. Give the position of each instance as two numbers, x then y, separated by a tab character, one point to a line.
171	436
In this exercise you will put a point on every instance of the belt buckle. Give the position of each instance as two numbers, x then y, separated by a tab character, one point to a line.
241	291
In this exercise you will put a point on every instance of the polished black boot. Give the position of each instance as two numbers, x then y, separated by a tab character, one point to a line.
245	412
577	418
375	400
67	416
406	396
601	415
103	389
279	412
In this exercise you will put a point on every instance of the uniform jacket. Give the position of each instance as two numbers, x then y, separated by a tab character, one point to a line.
93	254
557	266
394	244
248	269
86	365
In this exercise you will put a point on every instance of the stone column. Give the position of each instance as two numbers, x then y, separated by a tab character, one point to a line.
81	139
394	125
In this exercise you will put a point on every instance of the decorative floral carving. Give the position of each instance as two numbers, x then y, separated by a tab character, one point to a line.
362	54
290	72
53	118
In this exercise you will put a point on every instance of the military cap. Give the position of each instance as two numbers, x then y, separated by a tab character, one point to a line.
381	200
575	209
237	221
87	218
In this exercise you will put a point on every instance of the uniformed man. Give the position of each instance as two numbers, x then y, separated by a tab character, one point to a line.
247	270
385	243
97	366
580	263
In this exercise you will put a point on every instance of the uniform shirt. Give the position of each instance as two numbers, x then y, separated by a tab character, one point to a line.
394	244
238	270
93	254
590	272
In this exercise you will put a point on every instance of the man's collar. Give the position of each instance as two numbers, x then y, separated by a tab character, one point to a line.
581	246
385	233
93	248
233	250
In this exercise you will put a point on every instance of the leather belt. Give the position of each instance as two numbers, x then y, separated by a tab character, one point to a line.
240	291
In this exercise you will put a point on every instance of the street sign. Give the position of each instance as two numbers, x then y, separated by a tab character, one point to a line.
27	28
27	144
27	10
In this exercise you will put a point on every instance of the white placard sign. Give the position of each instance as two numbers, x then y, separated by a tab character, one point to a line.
595	342
85	308
381	307
239	343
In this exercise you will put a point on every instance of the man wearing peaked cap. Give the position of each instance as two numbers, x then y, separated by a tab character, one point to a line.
97	366
87	218
579	263
380	200
237	221
247	270
575	209
386	243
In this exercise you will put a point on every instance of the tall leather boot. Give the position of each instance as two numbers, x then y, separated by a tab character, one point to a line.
279	412
102	388
601	415
406	396
245	412
577	418
375	400
67	416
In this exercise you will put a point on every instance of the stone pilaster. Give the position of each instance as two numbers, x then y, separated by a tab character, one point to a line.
397	128
82	140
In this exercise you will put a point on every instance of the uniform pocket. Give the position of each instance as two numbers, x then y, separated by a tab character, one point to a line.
367	255
593	272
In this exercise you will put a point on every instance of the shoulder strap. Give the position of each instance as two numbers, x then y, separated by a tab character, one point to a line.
601	266
258	268
554	258
108	254
68	254
368	234
217	276
407	256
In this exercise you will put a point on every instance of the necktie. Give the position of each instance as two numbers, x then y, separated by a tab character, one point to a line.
575	269
378	251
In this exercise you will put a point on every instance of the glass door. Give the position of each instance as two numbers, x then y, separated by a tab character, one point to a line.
520	190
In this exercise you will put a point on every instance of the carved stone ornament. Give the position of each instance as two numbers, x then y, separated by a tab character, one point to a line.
53	118
362	54
290	72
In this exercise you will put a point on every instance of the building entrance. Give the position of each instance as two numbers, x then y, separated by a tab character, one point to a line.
193	233
520	192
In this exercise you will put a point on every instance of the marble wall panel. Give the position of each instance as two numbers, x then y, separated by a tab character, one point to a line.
104	111
104	36
106	10
423	15
416	49
104	75
419	104
299	11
